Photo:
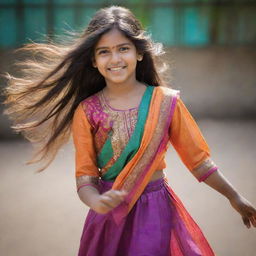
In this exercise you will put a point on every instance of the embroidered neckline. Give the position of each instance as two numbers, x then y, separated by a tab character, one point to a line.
121	110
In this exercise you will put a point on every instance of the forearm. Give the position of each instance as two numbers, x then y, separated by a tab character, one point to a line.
87	188
101	203
218	182
88	194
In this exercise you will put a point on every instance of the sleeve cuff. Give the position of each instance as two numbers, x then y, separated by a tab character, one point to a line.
86	180
206	175
204	170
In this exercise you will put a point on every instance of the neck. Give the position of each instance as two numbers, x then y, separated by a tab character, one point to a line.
122	89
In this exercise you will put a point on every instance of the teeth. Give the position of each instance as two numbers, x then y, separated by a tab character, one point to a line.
115	69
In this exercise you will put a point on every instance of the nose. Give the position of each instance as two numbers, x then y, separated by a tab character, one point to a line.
115	58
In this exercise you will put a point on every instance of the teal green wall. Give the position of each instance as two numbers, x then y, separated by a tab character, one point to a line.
190	23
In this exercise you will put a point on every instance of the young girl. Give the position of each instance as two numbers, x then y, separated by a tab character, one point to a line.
107	88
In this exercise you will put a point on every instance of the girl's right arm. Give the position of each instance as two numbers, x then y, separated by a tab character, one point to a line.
87	172
100	203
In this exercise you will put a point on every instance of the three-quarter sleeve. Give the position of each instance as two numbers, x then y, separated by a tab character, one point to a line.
86	170
189	143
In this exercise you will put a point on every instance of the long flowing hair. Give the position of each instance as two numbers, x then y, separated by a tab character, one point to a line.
41	103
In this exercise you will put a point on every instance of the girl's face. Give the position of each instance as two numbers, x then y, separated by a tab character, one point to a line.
116	58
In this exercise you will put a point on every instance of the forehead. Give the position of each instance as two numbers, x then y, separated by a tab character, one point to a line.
112	38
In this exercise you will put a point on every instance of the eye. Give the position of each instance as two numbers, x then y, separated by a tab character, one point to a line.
124	49
102	52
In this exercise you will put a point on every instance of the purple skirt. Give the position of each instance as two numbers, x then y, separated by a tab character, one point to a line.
146	231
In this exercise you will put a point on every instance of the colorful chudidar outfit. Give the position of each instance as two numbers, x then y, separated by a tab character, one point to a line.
121	149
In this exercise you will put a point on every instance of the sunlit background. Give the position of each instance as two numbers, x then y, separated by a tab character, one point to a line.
210	46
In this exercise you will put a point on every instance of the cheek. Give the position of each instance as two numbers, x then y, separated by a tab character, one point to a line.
100	63
131	58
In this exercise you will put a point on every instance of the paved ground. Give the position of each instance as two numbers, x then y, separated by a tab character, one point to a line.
42	215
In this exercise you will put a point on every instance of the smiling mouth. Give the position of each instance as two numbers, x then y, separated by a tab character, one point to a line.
116	69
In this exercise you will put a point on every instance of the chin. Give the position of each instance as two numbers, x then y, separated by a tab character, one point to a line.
117	81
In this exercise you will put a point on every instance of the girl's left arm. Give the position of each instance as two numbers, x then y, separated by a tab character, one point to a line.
194	151
218	182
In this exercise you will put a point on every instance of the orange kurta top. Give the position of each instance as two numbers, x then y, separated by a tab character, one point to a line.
185	136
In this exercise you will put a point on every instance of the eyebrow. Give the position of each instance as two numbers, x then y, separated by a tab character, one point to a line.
104	47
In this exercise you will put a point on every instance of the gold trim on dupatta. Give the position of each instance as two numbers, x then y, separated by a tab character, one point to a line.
137	173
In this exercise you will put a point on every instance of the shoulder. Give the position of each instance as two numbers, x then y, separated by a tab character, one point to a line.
92	108
91	105
168	95
91	101
85	108
169	92
79	120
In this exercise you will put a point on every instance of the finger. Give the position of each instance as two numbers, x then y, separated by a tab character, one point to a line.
246	222
253	220
124	192
117	195
251	215
106	206
121	192
108	200
253	211
117	192
112	198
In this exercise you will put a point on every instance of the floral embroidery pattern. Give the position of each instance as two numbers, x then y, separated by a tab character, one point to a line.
104	120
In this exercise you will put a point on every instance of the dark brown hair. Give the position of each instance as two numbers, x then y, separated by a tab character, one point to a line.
42	102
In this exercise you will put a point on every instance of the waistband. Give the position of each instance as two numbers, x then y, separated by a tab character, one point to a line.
151	186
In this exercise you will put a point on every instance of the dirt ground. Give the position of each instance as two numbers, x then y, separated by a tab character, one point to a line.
41	214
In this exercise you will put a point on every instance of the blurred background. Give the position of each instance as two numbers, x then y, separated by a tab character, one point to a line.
210	45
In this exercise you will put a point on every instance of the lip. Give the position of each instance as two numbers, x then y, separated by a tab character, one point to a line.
116	68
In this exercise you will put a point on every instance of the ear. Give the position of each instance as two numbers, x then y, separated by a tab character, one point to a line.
94	63
139	57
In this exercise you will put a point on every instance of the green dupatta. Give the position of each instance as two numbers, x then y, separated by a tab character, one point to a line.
133	144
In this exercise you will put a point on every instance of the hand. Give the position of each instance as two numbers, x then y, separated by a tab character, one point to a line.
108	201
245	208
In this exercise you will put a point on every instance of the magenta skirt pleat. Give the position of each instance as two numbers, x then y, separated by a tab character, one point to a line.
146	231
